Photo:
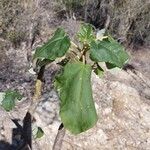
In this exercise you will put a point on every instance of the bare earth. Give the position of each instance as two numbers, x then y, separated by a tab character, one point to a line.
122	98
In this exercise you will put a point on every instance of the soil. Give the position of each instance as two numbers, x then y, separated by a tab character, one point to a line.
122	98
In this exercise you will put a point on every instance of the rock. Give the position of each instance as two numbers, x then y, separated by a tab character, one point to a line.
122	104
122	98
123	119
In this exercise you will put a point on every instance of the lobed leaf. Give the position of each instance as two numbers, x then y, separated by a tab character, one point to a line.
77	109
108	51
57	46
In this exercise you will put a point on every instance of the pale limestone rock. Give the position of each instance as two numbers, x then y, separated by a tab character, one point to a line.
123	119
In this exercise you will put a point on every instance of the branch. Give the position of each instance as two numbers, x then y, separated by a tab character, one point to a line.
59	138
75	46
28	119
83	53
38	89
107	22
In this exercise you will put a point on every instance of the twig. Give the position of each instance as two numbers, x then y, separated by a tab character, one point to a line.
38	89
86	11
74	45
107	23
59	138
83	54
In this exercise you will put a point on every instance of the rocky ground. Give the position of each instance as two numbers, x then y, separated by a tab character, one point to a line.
122	97
122	100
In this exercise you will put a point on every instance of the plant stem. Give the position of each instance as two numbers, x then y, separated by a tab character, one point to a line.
74	45
59	138
28	119
83	53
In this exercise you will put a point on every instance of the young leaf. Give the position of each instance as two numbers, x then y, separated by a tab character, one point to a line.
57	46
8	102
85	34
77	108
108	51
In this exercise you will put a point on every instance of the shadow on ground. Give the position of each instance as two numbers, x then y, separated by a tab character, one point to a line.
21	136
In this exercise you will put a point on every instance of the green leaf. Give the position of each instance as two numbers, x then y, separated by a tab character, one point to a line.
57	46
108	51
43	62
39	133
99	71
85	34
77	109
110	66
8	102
